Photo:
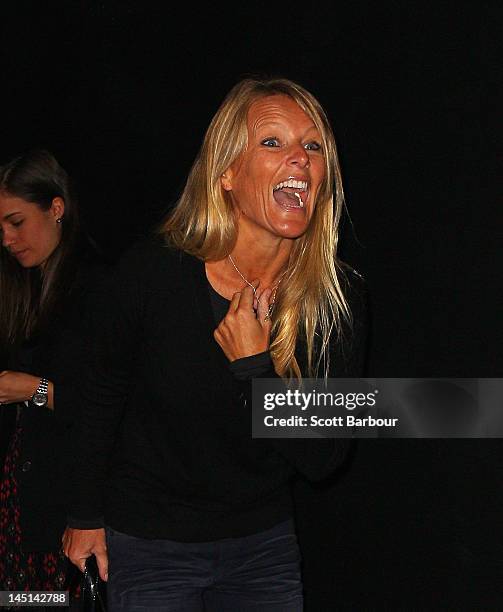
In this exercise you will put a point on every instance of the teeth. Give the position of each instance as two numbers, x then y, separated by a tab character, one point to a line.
302	185
301	203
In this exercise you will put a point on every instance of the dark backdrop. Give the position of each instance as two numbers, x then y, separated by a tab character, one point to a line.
122	93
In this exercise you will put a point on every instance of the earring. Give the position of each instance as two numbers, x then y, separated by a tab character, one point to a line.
60	220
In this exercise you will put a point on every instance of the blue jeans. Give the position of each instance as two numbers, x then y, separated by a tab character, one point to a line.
255	573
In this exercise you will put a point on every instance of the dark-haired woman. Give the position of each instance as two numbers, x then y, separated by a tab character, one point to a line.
42	296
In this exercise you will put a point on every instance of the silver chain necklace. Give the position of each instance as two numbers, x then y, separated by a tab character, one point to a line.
274	289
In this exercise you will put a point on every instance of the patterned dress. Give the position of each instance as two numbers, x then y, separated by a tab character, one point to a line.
22	570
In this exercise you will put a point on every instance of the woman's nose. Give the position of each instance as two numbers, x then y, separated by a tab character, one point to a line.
298	156
7	237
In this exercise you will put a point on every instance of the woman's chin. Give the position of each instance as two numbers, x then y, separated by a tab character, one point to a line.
291	223
292	229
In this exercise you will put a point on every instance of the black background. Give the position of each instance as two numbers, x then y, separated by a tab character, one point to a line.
122	93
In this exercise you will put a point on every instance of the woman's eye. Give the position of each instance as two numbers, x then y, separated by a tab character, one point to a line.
17	223
313	146
271	142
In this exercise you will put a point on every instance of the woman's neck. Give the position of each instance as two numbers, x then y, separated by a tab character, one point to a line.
259	253
251	259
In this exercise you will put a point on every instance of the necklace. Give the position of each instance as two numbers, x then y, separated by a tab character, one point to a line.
274	289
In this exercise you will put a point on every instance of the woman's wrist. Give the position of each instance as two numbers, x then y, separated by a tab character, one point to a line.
50	396
31	386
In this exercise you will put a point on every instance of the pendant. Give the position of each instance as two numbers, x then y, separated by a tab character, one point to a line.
269	312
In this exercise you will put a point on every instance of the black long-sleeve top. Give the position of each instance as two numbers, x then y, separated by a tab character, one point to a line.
58	352
166	448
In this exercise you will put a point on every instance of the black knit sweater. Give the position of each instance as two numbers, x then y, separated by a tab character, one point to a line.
166	448
59	353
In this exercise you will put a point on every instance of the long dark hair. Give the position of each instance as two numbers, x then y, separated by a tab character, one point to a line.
27	297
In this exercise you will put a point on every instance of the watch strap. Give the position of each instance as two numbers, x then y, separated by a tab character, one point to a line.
43	386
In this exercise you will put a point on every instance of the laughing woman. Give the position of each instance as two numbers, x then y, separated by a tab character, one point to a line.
41	302
244	282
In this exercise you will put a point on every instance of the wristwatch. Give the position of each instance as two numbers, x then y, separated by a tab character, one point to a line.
39	398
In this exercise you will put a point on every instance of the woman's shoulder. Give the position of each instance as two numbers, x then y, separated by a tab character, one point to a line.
351	349
152	255
153	247
354	289
351	278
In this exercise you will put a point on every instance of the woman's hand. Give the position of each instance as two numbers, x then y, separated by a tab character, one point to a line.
79	544
17	386
242	332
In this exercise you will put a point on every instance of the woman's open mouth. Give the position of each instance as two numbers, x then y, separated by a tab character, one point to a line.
291	193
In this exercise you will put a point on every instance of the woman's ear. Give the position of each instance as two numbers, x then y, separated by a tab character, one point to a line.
226	180
58	208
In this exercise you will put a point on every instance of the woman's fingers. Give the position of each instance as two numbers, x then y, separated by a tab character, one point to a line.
247	297
244	299
240	333
79	544
233	306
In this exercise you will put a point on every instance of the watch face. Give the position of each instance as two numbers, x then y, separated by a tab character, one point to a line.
39	399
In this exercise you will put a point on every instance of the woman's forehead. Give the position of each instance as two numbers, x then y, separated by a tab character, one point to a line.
277	109
10	203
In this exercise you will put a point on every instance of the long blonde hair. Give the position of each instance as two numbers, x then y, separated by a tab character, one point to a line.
310	302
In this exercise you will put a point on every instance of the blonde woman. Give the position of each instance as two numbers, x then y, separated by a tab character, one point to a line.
243	282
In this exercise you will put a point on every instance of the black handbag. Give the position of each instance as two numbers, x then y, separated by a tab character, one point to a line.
93	589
